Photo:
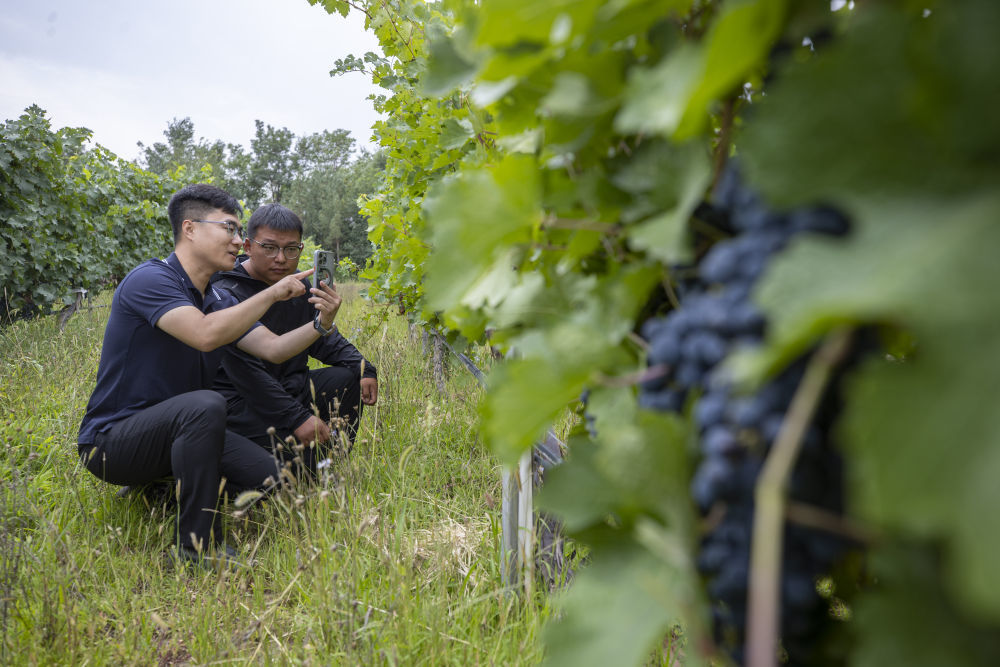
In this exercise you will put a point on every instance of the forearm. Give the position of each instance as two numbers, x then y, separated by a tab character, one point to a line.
226	325
268	346
208	332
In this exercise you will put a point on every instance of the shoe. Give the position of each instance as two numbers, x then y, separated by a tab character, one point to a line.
222	556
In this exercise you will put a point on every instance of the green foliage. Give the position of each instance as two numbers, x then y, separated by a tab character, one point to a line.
182	152
71	216
544	162
323	150
910	602
347	270
327	200
641	578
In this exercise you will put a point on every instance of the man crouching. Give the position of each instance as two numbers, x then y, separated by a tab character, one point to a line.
288	396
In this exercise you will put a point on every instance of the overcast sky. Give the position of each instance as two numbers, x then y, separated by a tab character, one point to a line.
124	68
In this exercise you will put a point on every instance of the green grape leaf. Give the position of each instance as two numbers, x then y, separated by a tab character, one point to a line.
904	102
655	98
674	96
341	7
579	323
914	622
447	69
577	491
897	256
455	132
485	92
473	216
523	142
572	95
637	466
641	578
926	454
516	22
526	396
670	179
621	605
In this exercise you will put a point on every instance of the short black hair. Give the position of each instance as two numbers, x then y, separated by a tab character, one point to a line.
193	202
274	216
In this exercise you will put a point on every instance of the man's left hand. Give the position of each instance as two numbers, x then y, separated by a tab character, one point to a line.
369	391
327	302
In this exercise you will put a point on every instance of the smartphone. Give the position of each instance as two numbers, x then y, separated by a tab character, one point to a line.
324	264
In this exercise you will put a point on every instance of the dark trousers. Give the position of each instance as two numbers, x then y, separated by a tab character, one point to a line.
184	437
337	397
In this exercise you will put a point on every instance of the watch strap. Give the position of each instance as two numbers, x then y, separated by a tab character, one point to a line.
319	327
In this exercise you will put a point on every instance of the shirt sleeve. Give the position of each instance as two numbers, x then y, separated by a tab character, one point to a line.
335	350
151	290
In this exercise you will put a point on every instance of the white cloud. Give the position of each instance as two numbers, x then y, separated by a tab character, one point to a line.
123	69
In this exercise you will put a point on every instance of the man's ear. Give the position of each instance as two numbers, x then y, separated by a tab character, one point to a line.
187	229
246	246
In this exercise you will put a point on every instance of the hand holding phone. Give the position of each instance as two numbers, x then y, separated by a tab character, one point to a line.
326	301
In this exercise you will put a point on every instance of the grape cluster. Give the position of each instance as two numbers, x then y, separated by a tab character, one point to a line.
716	316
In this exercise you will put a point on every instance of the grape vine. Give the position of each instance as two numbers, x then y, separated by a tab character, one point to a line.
70	216
548	168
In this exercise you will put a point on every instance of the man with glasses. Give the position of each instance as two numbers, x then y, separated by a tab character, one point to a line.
150	415
288	397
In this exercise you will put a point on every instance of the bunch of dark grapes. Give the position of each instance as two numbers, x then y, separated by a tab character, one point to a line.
716	316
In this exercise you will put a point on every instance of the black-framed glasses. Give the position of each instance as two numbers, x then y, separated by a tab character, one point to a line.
232	228
290	251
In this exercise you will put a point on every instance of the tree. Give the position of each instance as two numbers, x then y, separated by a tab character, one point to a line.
182	150
322	150
238	177
272	164
327	200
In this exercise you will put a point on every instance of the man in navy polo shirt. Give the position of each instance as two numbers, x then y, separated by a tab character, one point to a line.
150	415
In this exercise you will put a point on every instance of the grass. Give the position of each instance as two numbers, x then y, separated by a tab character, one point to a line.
391	558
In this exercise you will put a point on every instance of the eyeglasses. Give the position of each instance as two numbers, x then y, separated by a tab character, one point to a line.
232	228
290	251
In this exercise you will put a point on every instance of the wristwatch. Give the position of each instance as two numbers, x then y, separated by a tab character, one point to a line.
319	327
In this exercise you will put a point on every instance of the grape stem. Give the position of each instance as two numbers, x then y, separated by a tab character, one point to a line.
811	516
671	294
764	604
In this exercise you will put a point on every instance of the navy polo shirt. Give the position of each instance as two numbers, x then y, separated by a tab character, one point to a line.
141	365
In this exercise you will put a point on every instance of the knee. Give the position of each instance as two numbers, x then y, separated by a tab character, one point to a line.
338	385
204	408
